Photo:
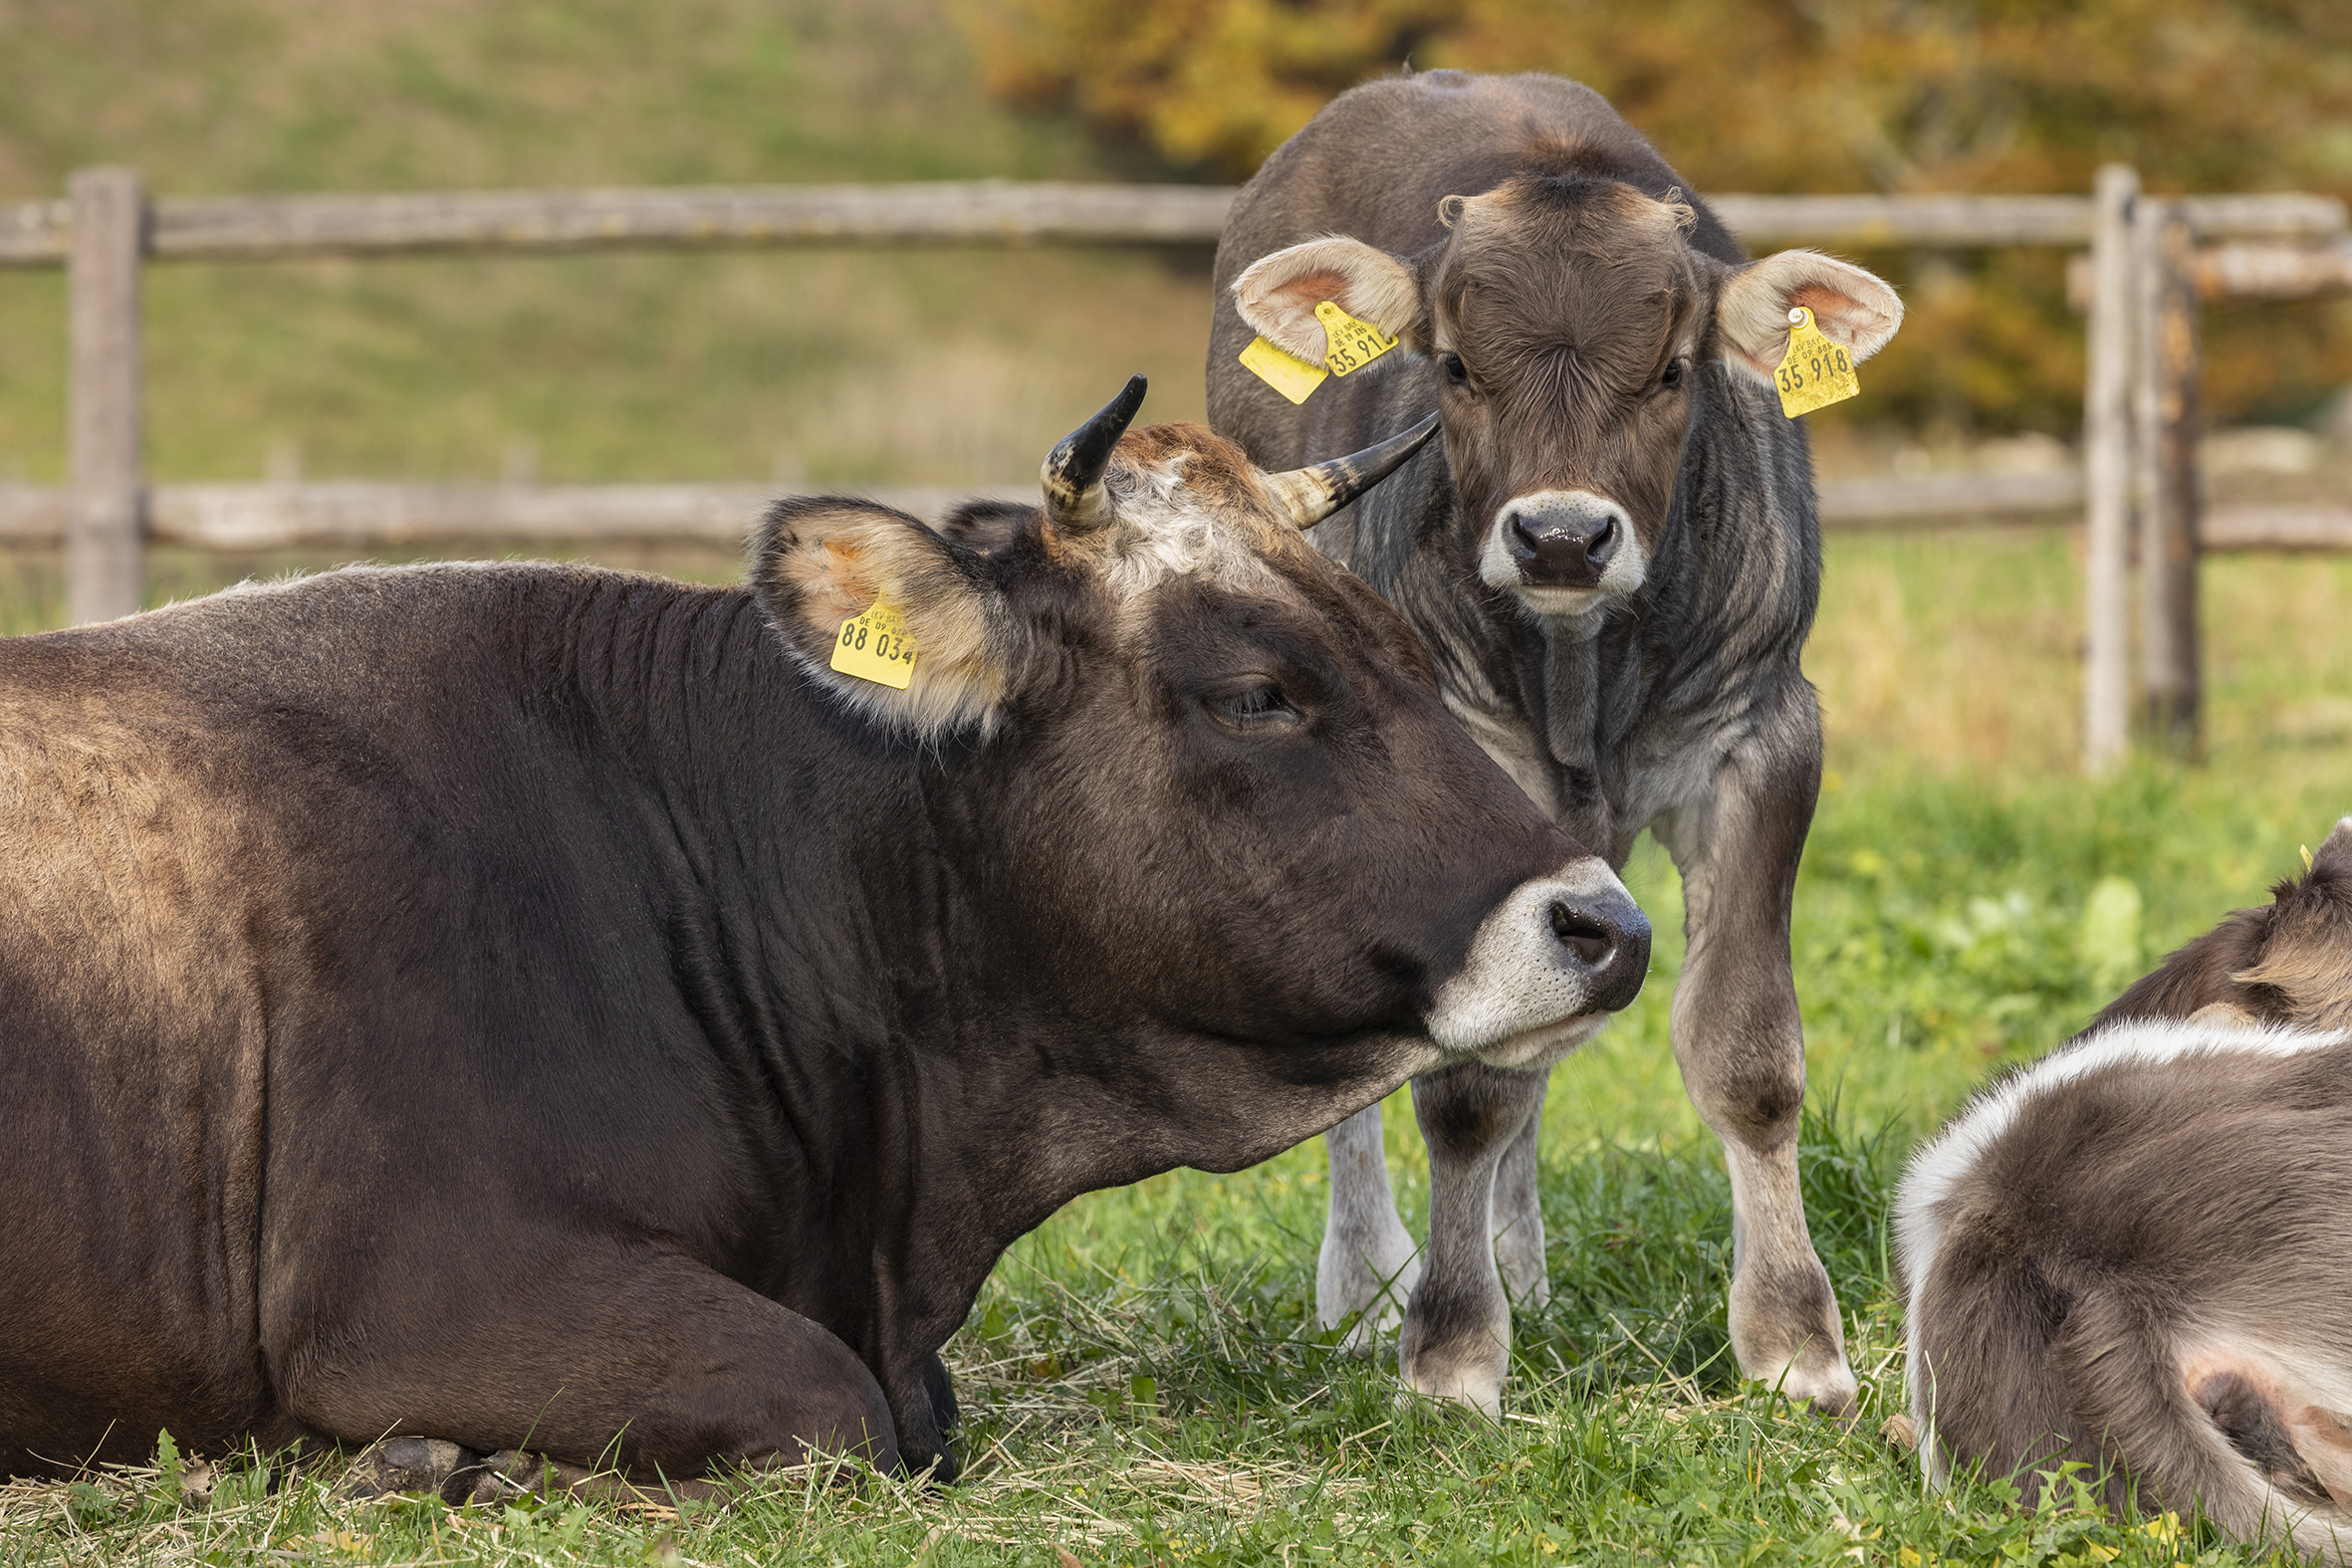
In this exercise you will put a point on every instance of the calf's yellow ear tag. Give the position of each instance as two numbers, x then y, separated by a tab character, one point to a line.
1814	373
875	646
1349	344
1352	343
1283	371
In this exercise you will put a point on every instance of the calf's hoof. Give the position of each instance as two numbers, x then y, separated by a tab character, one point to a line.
399	1465
1468	1375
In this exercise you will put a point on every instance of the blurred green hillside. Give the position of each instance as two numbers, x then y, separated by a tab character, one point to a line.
837	367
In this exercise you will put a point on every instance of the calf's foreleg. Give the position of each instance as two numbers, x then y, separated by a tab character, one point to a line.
1740	1043
1455	1343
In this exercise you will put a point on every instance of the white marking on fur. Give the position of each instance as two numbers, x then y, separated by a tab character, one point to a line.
1161	529
1626	571
1938	1168
1513	1003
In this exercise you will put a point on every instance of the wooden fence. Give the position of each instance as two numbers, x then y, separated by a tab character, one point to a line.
2150	261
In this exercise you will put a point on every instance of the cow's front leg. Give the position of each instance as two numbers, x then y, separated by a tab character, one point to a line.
610	1356
1519	1218
1456	1336
1740	1043
1369	1264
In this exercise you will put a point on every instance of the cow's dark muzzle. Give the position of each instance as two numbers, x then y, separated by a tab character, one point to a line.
1565	541
1608	939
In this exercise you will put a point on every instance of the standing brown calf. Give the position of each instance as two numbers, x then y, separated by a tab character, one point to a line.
2137	1253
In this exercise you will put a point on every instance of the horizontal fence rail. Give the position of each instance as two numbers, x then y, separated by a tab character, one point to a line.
1000	212
2151	258
372	515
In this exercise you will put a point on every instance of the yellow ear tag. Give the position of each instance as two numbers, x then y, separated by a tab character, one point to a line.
1814	373
876	647
2306	848
1283	371
1352	343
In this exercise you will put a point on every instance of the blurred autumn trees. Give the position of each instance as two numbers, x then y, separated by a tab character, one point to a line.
1803	96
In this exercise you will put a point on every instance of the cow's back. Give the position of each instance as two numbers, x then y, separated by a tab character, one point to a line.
303	888
1374	165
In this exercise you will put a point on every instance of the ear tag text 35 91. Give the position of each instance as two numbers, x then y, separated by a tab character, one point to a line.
1814	373
877	646
1351	345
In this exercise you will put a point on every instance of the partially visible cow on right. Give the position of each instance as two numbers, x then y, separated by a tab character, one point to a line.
2137	1253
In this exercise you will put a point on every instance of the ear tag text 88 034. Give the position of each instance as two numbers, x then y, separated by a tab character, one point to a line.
875	646
1814	373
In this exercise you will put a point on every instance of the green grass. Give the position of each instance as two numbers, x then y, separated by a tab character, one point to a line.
1143	1380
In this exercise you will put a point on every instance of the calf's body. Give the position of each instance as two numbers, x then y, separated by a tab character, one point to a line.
2131	1254
1613	559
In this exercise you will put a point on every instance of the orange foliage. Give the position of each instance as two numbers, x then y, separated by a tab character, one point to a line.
1802	95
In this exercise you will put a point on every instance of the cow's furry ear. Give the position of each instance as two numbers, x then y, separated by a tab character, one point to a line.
825	560
1278	295
1850	306
2305	958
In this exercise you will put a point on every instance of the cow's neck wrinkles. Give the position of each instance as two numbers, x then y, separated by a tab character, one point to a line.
976	1106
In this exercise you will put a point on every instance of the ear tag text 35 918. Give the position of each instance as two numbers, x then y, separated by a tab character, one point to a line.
877	646
1351	345
1814	373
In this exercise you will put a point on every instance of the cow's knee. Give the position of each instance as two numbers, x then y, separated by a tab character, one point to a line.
1755	1100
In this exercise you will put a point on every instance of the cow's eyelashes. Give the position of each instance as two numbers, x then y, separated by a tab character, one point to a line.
1456	373
1675	370
1255	705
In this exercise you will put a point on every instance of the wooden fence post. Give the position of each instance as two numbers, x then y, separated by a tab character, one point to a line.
2106	439
104	533
2165	421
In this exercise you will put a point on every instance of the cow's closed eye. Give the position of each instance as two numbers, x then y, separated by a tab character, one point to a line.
1255	707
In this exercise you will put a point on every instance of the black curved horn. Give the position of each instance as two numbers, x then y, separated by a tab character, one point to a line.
1309	495
1073	473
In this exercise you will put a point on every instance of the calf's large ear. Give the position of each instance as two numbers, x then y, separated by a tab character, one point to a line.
1850	306
825	560
1278	295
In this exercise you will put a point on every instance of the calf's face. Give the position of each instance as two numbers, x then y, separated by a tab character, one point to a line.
1565	316
1225	798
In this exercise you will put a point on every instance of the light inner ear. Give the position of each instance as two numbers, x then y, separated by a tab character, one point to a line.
1278	294
834	580
1852	307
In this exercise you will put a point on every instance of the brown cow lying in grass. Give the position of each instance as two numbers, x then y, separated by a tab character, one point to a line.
2137	1253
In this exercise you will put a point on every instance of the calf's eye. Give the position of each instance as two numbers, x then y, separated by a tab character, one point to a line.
1457	372
1673	376
1258	705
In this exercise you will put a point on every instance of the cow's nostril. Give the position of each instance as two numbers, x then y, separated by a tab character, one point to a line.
1581	935
1523	544
1604	542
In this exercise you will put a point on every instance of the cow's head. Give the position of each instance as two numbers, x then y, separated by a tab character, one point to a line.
1565	316
2288	963
1220	788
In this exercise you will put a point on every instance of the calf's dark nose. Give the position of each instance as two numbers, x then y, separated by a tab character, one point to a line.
1563	540
1607	937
